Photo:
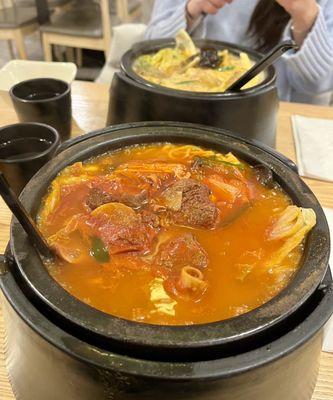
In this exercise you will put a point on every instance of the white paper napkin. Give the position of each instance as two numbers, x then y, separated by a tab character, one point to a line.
314	146
328	339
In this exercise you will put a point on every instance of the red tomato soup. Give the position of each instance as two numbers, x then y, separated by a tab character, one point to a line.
172	234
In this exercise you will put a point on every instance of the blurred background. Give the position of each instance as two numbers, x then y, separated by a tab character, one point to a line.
93	34
80	31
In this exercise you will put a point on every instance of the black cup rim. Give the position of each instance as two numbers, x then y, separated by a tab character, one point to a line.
17	85
53	146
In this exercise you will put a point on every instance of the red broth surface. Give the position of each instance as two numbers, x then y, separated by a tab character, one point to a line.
168	234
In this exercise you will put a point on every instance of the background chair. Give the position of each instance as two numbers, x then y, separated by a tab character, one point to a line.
16	22
82	25
54	5
129	10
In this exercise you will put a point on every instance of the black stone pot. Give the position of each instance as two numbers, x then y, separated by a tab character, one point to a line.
61	349
251	113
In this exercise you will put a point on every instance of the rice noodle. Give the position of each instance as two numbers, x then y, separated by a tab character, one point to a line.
138	167
289	222
189	151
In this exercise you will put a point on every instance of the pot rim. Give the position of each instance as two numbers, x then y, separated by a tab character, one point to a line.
129	333
150	46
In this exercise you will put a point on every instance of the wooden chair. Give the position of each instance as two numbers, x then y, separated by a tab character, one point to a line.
54	5
85	25
129	10
16	22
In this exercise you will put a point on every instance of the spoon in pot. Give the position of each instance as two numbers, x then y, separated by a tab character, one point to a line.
24	219
264	63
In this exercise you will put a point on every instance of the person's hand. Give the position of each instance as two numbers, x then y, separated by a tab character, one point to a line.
197	7
303	13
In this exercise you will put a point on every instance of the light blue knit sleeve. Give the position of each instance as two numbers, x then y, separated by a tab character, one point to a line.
168	17
310	70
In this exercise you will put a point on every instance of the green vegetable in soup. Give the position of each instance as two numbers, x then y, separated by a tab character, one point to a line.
99	250
210	161
185	82
227	68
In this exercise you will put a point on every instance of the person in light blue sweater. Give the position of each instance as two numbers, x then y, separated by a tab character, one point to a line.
304	76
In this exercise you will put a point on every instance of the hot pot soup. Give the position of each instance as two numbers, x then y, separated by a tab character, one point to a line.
185	67
172	234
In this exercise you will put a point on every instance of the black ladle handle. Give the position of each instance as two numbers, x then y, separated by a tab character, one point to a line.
265	62
24	218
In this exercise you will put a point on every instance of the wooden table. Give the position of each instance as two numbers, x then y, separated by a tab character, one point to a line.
90	103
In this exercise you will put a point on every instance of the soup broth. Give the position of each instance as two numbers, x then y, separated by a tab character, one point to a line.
172	234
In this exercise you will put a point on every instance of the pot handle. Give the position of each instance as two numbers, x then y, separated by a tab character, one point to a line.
285	160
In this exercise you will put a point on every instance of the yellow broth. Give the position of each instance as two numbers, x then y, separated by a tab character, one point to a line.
158	69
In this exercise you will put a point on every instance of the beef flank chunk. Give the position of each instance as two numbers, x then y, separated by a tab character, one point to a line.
97	197
181	251
132	198
148	217
121	229
189	204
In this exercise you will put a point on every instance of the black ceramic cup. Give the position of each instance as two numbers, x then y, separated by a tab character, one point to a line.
44	100
24	149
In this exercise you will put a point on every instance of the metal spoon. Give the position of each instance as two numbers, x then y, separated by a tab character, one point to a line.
265	62
24	219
